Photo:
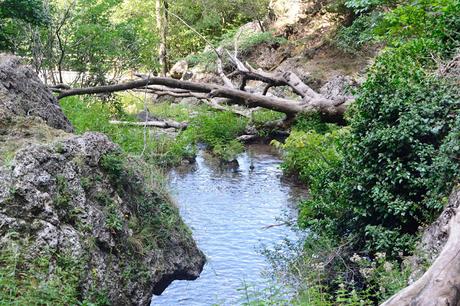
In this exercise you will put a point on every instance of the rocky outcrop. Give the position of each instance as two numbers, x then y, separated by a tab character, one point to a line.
23	94
78	217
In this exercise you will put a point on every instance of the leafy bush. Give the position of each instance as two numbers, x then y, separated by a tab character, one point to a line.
310	154
361	6
438	20
218	131
401	143
360	33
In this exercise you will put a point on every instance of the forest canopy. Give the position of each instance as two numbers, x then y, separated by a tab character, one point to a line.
111	36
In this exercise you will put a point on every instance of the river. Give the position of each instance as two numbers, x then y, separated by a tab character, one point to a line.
231	213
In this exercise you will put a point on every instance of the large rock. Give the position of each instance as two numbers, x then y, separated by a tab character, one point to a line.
79	220
22	93
80	197
179	69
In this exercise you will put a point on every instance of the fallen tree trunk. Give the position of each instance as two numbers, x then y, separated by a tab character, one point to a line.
153	123
324	106
331	108
440	285
238	96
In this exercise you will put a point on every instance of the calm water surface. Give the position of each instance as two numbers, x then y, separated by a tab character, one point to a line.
228	212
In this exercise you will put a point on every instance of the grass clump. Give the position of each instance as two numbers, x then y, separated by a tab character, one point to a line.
218	130
262	116
26	281
63	195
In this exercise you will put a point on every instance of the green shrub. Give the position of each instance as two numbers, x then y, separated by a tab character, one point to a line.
438	20
361	6
403	118
310	154
401	143
399	161
218	130
359	34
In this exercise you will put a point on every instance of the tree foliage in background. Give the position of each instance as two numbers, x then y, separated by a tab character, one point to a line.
13	14
105	38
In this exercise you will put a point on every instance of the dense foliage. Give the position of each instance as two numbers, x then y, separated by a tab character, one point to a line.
374	184
399	161
15	15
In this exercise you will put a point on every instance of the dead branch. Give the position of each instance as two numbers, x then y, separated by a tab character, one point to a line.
330	109
248	137
220	72
153	123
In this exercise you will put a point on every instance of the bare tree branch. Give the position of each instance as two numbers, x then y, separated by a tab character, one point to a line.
153	123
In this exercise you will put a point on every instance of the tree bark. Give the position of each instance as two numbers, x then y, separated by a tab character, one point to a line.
162	27
440	285
154	123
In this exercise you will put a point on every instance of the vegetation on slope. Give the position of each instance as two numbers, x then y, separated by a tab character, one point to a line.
375	183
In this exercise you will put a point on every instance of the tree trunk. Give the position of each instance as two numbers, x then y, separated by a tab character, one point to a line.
330	108
162	27
327	108
440	285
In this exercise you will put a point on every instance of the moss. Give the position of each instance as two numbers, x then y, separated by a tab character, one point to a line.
86	182
17	132
113	219
112	163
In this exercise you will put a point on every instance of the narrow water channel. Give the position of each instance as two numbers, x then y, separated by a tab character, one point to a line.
229	211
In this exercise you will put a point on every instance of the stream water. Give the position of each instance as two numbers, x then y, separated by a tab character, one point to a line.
228	211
